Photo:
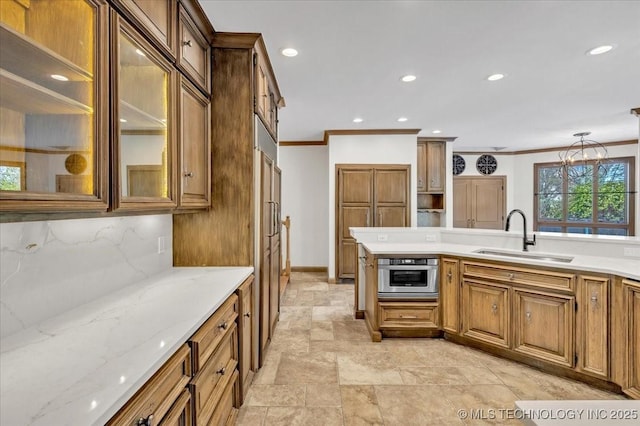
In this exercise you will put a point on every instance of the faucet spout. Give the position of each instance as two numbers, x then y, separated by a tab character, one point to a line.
525	242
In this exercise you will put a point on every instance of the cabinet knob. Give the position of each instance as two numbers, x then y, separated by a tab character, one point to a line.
145	422
187	43
221	371
494	308
594	298
420	182
528	315
511	276
223	325
248	314
450	276
188	174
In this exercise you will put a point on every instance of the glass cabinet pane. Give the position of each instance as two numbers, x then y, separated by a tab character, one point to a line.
47	97
143	119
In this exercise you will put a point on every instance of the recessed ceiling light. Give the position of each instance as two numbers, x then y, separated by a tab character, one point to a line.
408	78
437	131
402	119
600	49
59	77
122	120
140	52
358	120
289	52
495	77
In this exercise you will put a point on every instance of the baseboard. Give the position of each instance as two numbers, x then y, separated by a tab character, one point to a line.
359	314
332	281
309	269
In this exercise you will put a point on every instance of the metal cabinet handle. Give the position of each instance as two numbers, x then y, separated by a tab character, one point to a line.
188	174
369	265
380	219
187	43
449	276
594	298
223	325
408	316
468	223
420	183
511	276
248	314
367	218
145	422
222	371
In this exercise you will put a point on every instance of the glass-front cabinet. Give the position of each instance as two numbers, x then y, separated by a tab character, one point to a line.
53	122
143	92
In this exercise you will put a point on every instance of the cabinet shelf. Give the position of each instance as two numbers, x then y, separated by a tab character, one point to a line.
28	97
42	61
137	119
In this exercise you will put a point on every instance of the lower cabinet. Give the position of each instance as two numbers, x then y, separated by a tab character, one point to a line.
204	381
631	323
485	313
450	295
543	326
408	315
592	326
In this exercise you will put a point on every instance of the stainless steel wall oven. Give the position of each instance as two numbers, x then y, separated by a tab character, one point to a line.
408	277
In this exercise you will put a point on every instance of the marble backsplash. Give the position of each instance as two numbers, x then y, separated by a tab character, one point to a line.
47	268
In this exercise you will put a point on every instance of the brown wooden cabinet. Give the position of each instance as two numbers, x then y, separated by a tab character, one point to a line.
407	315
431	162
181	413
245	336
631	327
592	325
478	202
486	313
54	108
544	325
368	195
267	96
450	295
194	52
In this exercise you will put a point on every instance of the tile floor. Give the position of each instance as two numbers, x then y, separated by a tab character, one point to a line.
322	369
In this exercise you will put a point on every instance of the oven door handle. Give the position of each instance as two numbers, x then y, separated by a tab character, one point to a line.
408	267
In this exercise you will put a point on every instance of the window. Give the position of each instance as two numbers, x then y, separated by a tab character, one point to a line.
599	202
12	176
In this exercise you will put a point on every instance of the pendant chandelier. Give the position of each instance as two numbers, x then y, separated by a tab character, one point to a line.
581	154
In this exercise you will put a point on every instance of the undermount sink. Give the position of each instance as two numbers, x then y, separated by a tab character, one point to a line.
525	255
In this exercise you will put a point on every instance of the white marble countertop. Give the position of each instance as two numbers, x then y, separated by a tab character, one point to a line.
629	268
79	368
579	413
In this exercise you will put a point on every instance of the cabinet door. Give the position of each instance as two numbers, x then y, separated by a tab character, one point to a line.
391	186
488	203
355	186
54	107
144	106
435	166
181	413
391	216
156	18
422	167
195	147
592	326
265	321
543	326
631	306
450	295
274	285
261	90
461	203
194	55
245	336
485	313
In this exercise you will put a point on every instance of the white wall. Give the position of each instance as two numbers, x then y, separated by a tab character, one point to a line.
368	149
305	190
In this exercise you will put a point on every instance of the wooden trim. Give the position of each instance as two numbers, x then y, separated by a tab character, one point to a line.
196	13
138	132
332	281
539	150
328	133
302	143
310	269
437	139
235	40
359	314
41	151
636	112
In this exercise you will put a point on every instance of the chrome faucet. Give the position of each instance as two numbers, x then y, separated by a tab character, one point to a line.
525	242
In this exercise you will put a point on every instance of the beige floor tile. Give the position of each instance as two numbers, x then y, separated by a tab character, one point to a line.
350	330
291	341
332	313
295	317
267	374
251	416
309	416
307	368
345	346
276	395
366	369
321	330
480	376
415	405
491	402
432	376
323	395
360	406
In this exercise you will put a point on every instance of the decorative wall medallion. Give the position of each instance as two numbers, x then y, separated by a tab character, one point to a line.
486	164
458	164
75	164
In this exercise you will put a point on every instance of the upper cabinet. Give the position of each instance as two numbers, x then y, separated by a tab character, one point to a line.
104	108
267	95
431	178
53	123
144	105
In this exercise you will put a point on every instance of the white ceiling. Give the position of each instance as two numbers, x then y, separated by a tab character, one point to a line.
353	53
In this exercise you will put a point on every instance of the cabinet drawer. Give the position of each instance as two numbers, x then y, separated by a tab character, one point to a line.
211	381
517	275
408	314
181	414
158	395
205	340
226	412
193	52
